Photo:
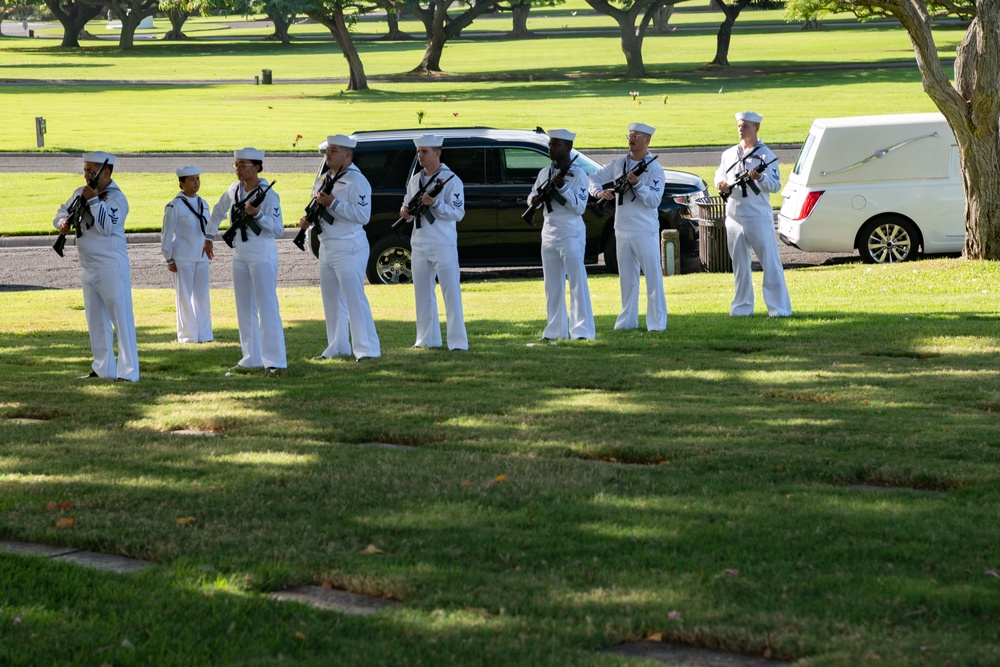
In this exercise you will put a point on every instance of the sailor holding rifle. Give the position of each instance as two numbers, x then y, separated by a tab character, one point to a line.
435	244
637	226
255	264
343	253
104	268
564	236
749	218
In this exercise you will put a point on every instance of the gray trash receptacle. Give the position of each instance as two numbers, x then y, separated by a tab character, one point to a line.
265	76
713	250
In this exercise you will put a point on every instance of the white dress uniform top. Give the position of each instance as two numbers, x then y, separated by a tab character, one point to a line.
750	225
107	282
255	278
343	256
185	230
637	238
564	237
435	255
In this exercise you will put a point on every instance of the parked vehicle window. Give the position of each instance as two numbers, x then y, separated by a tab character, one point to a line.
521	165
387	168
468	163
804	153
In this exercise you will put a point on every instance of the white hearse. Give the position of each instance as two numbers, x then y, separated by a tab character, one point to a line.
884	185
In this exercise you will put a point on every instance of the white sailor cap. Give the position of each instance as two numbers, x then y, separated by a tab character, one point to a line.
249	154
341	140
641	127
188	171
565	135
751	116
428	141
99	157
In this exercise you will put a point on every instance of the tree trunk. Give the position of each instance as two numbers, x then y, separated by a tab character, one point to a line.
632	35
177	18
661	19
126	40
725	35
337	26
73	17
440	29
519	14
632	48
431	62
392	17
977	64
972	109
810	24
281	25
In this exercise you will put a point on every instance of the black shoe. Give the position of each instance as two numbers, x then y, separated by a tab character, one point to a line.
273	372
122	380
320	358
93	374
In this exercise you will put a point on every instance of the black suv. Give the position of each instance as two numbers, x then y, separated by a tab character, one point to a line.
498	168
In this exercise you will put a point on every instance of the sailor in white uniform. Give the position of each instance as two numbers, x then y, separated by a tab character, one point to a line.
255	266
637	228
750	220
435	245
564	237
186	243
343	253
107	283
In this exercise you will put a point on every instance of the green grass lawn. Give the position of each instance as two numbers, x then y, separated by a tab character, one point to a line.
568	54
701	483
179	118
556	81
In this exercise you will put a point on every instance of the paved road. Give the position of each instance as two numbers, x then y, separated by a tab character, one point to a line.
38	266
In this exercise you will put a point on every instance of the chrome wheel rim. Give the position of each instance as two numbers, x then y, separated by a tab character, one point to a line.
393	266
889	243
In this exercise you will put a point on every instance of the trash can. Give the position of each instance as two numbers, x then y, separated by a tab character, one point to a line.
713	250
265	77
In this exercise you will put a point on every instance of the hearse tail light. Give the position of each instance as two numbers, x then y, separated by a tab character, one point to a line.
808	204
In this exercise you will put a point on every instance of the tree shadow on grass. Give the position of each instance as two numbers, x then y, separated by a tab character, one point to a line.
558	556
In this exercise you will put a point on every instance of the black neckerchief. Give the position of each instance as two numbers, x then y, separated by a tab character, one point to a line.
200	213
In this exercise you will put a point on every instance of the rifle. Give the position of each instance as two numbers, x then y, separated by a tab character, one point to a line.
417	207
240	219
744	180
621	184
547	193
314	211
78	214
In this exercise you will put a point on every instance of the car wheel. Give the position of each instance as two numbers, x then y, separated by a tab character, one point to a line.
611	253
390	262
887	241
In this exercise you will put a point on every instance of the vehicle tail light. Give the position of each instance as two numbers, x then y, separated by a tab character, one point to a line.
808	204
